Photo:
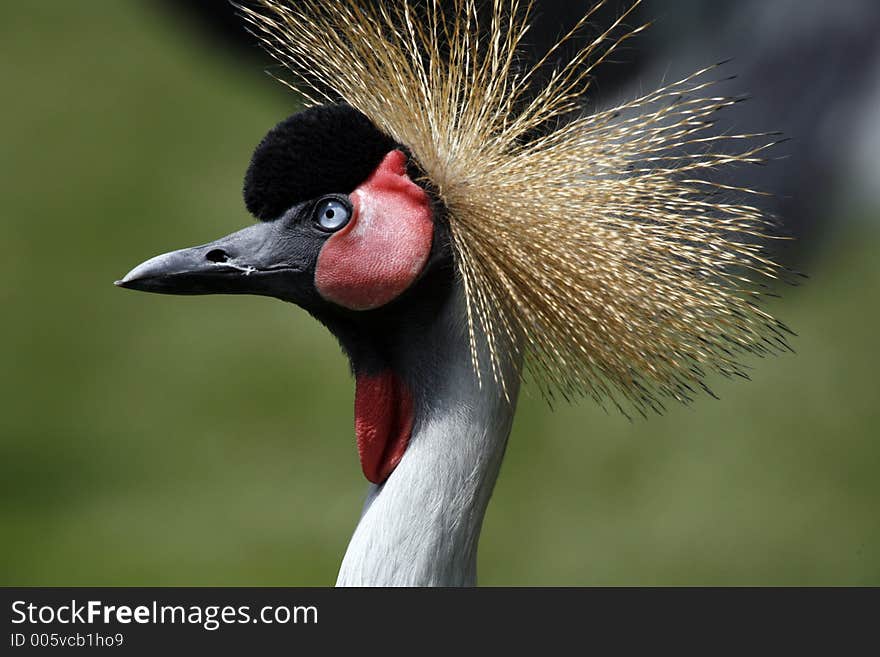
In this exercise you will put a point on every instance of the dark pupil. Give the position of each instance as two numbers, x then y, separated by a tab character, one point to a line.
329	214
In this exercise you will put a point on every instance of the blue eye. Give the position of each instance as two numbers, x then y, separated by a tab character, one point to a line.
332	214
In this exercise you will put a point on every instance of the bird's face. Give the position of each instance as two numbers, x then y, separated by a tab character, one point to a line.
342	223
348	234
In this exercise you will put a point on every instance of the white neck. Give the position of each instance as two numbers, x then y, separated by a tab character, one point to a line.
421	527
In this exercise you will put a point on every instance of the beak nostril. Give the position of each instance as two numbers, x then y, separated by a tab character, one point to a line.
217	255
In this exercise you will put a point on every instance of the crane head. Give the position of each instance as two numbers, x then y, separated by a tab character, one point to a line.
349	230
343	223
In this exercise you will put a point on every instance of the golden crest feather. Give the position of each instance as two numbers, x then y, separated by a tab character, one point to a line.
594	246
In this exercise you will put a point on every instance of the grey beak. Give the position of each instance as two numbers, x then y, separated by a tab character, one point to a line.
250	261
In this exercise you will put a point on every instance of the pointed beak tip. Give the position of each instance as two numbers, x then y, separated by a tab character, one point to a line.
125	281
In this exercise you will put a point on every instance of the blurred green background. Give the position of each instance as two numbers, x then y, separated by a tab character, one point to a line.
150	440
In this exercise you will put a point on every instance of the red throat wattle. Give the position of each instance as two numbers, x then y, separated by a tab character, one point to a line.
383	422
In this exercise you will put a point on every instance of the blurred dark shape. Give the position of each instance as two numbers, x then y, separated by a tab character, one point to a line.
221	22
807	67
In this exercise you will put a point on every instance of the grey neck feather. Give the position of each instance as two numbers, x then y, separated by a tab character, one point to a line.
421	527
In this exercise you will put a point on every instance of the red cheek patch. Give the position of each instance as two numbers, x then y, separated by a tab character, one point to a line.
385	245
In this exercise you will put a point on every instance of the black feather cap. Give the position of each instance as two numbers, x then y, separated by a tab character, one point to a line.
322	150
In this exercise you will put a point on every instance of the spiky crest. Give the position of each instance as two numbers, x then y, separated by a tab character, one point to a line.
596	245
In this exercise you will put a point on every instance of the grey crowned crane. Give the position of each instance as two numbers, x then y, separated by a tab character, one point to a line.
456	227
